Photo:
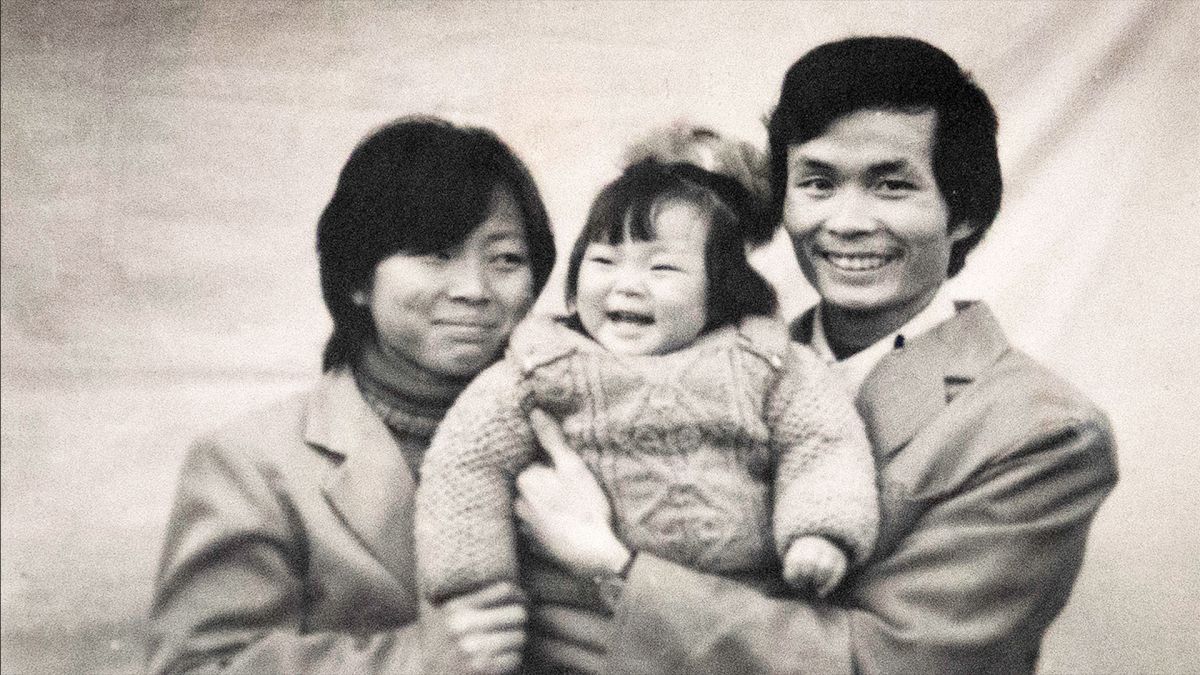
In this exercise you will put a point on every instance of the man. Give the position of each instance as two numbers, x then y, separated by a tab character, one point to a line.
885	175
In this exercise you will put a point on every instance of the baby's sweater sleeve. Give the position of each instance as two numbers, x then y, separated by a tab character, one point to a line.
464	525
825	481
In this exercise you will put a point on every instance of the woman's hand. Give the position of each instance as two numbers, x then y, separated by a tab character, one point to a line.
488	626
564	511
568	630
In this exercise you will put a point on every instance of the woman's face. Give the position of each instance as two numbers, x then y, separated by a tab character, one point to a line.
451	311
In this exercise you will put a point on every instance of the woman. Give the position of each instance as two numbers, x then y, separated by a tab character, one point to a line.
290	545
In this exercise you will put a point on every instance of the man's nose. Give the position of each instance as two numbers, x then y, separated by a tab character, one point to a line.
851	214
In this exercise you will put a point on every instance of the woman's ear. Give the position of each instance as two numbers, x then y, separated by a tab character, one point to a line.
961	230
360	298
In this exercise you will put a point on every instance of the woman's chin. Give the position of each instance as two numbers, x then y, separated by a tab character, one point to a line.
463	360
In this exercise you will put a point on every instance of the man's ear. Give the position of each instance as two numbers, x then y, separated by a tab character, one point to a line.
360	298
961	230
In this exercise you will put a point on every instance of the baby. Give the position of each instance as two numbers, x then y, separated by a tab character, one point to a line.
721	444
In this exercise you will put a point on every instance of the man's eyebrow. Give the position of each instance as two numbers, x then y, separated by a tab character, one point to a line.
890	166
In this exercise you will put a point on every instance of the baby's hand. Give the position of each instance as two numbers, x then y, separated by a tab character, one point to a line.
814	563
488	626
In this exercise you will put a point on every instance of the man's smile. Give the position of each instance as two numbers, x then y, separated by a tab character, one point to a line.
855	261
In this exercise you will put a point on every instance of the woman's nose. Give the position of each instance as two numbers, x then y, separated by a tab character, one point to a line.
468	281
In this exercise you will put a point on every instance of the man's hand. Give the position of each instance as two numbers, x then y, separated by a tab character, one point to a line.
564	511
814	563
488	627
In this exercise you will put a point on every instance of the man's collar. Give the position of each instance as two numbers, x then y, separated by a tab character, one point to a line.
908	386
853	370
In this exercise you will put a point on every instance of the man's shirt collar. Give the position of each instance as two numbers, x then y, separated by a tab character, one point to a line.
853	370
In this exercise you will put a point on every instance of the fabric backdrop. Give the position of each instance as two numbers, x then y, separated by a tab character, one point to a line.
164	165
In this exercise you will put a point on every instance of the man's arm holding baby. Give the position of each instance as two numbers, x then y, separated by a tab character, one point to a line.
970	588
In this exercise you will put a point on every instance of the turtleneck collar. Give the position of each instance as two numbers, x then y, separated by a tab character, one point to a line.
410	399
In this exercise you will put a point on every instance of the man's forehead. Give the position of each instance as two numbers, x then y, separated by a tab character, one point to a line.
873	137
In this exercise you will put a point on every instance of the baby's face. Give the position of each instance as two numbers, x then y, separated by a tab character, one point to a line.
647	297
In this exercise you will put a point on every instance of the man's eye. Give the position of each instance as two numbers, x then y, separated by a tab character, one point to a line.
895	185
440	256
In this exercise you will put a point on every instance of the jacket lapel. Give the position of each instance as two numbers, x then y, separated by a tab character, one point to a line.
903	393
910	386
372	490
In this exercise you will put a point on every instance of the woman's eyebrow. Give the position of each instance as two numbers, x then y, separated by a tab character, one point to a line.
501	235
809	164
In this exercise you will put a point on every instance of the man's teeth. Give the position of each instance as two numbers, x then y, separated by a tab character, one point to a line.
858	262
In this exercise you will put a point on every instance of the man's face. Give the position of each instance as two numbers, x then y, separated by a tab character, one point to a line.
867	220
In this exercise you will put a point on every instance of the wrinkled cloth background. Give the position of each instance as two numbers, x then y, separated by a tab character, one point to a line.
164	167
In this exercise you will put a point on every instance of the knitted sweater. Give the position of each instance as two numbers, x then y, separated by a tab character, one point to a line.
696	449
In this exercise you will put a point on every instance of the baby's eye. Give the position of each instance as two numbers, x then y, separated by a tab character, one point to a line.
664	267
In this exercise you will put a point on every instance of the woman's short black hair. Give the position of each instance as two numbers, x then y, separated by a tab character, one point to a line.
418	184
628	206
902	74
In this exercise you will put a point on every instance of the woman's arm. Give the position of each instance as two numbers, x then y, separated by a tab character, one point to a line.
970	589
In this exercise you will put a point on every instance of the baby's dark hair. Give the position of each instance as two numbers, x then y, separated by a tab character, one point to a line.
628	207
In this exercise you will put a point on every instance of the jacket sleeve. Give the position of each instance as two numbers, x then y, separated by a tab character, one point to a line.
229	594
464	523
824	470
970	589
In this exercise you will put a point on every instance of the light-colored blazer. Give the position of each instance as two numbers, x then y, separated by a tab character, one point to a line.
290	548
991	469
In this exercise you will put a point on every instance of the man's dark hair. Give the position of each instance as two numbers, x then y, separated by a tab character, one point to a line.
628	206
418	185
905	75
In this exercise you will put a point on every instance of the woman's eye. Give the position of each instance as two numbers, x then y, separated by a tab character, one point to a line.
815	184
509	260
600	259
